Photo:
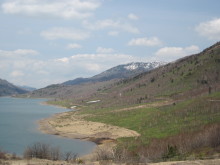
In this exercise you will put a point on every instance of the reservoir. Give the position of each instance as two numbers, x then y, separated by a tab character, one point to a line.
19	128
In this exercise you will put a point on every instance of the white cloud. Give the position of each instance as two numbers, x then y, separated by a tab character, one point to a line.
102	61
64	33
17	73
74	9
74	46
210	29
65	60
99	61
25	52
154	41
133	16
18	52
111	24
93	67
29	70
173	53
104	50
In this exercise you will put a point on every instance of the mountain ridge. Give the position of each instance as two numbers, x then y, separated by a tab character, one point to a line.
8	89
117	72
190	75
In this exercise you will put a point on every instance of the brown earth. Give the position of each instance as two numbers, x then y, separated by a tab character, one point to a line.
77	128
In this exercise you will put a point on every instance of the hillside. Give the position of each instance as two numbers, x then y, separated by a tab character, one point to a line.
118	72
191	76
8	89
85	87
174	108
188	77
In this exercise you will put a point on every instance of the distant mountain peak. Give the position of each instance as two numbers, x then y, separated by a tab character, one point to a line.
137	65
118	72
131	66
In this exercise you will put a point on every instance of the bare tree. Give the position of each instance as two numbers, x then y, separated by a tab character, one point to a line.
55	153
70	156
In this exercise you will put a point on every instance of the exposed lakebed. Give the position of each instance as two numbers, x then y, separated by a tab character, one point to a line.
19	128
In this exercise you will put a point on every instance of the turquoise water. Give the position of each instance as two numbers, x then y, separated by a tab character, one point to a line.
18	127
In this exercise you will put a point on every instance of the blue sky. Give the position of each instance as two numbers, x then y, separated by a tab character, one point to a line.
45	42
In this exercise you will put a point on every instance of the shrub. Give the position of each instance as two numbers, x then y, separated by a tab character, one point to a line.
181	144
42	151
171	152
70	156
3	155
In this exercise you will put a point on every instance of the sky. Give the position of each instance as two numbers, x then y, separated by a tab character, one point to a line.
45	42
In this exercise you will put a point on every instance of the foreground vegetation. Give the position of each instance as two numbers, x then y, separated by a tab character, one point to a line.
176	131
43	154
170	129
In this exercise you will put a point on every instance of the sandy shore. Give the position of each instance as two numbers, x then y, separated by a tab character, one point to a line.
72	125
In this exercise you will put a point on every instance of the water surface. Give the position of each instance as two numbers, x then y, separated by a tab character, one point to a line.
19	128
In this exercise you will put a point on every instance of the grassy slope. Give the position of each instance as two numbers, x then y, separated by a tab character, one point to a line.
164	121
193	83
185	79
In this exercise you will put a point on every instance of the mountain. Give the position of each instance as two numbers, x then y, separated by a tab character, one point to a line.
187	77
118	72
84	87
27	88
191	76
174	108
8	89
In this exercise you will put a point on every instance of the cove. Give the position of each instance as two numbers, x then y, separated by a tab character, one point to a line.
19	128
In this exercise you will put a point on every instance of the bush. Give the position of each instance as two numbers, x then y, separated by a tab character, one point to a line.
171	152
38	150
70	156
45	151
104	153
181	144
3	155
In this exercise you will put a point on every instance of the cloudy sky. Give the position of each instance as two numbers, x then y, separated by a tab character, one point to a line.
44	42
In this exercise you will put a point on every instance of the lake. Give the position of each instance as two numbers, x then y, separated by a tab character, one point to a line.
19	128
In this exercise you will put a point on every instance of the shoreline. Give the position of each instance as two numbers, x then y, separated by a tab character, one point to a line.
75	127
58	106
72	126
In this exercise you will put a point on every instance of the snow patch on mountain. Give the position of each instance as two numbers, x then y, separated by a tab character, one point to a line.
131	67
138	65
